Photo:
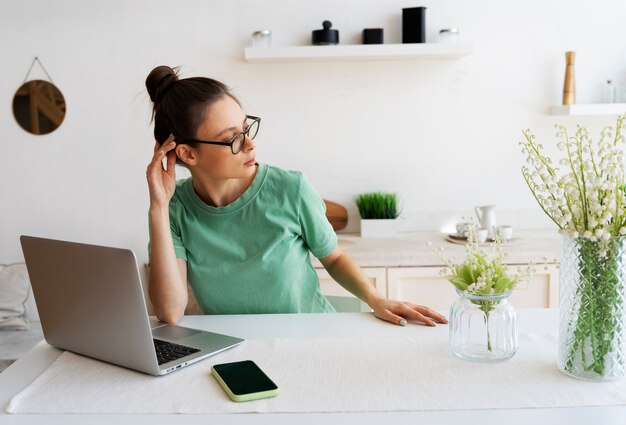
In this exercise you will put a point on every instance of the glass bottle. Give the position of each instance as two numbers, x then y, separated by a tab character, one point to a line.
262	38
449	35
483	328
608	92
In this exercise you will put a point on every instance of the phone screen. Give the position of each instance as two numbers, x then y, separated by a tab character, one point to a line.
244	377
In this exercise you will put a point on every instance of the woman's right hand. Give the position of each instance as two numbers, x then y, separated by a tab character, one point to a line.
162	181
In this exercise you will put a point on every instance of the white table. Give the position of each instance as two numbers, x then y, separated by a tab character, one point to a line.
24	371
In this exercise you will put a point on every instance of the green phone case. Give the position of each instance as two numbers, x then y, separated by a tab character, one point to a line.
243	397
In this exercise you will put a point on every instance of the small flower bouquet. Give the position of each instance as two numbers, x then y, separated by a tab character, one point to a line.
584	195
483	272
483	310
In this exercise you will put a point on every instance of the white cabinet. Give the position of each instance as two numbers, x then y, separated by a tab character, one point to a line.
376	275
424	286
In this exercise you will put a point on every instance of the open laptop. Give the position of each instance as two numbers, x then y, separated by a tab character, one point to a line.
90	301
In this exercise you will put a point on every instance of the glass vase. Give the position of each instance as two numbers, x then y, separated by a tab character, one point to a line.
483	328
592	343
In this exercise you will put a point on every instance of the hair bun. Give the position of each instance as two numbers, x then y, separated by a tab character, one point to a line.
159	81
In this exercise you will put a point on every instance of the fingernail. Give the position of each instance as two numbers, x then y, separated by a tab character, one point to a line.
172	144
402	322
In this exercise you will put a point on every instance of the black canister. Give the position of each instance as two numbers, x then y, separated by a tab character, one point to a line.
325	36
373	36
414	25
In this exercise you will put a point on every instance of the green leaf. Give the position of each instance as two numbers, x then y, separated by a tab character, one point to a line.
459	283
503	284
466	274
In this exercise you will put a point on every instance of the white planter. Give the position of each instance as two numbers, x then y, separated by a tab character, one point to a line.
379	228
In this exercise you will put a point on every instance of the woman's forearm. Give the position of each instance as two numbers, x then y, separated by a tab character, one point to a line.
167	282
348	274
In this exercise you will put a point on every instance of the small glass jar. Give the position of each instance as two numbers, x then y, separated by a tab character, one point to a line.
262	38
608	92
483	328
449	35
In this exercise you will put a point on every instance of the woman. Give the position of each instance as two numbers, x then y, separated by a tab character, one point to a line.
240	232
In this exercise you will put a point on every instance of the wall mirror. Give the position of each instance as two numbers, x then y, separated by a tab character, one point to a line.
39	107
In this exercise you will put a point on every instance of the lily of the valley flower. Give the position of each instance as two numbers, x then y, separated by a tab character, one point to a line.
587	196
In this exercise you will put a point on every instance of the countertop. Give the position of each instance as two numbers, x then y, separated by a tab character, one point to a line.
307	326
411	249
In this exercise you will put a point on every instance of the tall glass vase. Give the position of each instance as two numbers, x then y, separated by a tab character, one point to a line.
592	332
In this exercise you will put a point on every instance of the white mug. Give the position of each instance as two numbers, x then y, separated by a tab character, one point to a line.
481	235
462	228
506	232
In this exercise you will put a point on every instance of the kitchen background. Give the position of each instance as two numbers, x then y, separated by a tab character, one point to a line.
442	134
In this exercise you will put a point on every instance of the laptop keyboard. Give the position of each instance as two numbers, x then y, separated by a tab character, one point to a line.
167	351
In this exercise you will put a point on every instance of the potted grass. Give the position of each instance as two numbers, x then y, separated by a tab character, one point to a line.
378	212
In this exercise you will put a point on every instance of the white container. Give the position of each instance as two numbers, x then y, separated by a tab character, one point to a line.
608	92
449	36
380	228
262	38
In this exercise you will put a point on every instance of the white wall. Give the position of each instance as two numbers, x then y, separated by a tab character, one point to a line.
442	134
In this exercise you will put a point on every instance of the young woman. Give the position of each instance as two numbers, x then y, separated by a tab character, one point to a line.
238	231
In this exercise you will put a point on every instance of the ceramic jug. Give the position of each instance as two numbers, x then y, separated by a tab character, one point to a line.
487	218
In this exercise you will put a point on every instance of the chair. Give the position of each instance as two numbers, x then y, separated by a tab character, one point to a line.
348	304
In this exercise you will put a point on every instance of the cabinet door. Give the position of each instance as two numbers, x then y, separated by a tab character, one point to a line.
424	286
376	275
541	291
420	285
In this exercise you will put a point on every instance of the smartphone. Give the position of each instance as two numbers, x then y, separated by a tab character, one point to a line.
244	381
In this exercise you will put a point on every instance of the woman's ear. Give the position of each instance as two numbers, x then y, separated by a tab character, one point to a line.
186	154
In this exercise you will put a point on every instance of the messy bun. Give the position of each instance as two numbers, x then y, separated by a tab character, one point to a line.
159	81
181	105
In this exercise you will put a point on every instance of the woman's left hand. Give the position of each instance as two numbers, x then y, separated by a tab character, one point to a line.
398	312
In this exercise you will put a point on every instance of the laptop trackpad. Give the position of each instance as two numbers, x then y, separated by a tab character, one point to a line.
173	332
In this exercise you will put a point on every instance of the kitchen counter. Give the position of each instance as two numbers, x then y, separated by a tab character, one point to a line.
411	249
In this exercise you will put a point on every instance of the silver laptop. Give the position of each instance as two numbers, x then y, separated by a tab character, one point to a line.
90	301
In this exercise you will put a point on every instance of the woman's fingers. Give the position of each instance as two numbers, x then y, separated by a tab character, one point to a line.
160	153
390	317
428	312
171	162
397	312
410	313
162	179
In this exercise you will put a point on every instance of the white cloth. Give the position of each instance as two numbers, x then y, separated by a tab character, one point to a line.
325	375
14	292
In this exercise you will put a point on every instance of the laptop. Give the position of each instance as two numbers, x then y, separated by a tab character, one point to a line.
90	301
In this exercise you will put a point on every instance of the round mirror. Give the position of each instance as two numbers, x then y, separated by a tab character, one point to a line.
39	107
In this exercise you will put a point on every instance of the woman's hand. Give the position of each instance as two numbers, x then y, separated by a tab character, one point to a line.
162	181
398	312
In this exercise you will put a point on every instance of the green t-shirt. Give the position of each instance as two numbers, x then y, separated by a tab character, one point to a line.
252	256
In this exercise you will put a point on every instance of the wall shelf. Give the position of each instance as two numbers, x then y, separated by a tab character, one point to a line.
589	109
358	52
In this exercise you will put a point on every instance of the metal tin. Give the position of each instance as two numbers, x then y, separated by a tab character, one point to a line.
262	38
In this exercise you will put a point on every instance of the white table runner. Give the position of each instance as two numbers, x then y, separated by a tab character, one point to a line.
325	375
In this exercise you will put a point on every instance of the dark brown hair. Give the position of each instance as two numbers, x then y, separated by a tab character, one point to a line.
180	105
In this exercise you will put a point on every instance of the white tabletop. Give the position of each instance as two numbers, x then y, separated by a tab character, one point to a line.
31	365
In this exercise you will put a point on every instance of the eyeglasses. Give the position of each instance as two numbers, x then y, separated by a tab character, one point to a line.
237	142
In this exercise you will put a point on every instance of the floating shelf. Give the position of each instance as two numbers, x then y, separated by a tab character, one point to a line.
358	52
589	109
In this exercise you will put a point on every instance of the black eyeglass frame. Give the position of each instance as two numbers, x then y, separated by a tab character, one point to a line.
231	142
